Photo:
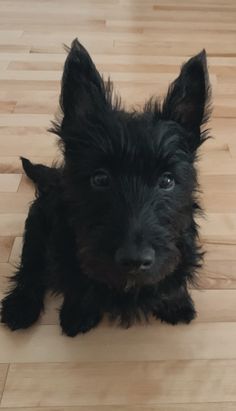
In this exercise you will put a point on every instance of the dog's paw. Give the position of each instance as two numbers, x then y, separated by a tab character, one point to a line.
175	314
19	310
73	323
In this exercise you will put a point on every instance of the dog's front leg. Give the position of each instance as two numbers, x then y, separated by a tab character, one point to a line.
175	306
23	304
81	309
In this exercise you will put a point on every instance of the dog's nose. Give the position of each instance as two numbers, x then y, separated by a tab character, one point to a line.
141	260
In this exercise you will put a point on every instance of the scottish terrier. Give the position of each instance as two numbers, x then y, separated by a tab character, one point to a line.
113	228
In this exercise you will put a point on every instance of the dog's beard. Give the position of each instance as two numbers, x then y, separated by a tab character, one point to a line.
102	269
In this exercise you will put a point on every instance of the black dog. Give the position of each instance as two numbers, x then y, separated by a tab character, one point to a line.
113	228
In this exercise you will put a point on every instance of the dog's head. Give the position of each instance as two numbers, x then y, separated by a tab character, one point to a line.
130	176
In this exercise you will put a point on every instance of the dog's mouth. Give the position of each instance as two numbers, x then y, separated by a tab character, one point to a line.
121	280
133	282
101	269
130	283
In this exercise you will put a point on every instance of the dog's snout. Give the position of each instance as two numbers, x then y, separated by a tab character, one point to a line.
130	259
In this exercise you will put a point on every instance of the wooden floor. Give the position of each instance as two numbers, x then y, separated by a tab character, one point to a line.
141	44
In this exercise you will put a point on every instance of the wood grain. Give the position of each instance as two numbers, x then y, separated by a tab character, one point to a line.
5	248
3	376
9	182
44	343
230	406
120	383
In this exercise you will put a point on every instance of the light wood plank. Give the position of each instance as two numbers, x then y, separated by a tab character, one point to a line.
166	407
9	183
31	120
218	183
44	343
31	141
218	162
16	251
214	202
218	274
215	305
3	375
12	224
117	383
219	252
5	248
7	106
125	59
219	227
15	202
6	270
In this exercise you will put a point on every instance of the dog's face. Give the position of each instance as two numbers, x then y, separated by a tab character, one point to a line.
130	177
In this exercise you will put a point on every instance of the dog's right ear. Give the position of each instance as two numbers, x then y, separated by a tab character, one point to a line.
82	89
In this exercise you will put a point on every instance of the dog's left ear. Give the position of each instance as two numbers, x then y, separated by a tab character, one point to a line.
187	100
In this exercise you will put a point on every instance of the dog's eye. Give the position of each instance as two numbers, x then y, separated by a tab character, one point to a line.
166	182
100	180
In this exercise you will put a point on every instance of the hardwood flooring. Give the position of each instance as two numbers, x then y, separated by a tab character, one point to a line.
141	44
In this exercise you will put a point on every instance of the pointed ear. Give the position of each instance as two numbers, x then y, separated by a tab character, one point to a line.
187	100
82	86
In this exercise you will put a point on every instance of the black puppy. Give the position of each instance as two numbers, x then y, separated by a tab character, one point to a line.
113	228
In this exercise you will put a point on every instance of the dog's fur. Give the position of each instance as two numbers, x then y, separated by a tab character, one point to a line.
113	228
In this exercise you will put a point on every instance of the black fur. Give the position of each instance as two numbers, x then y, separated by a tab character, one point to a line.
113	229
